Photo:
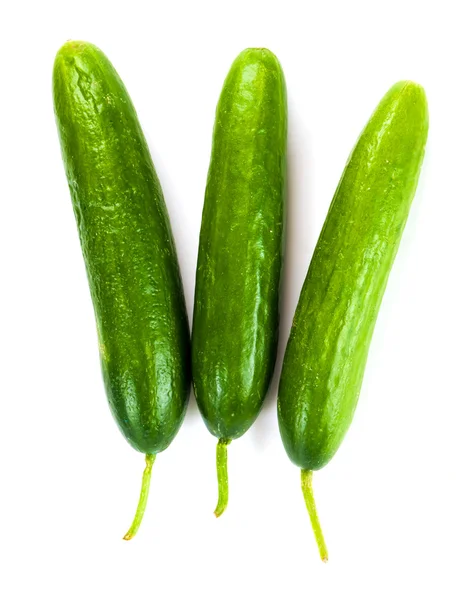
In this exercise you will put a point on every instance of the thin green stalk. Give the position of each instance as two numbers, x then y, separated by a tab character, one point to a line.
149	459
221	470
307	490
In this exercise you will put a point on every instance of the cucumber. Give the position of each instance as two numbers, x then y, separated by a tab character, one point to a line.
332	328
235	325
129	252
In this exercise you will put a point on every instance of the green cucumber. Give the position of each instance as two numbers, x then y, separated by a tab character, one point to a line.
129	252
235	326
332	328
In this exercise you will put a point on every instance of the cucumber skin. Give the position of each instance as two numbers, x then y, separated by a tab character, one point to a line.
235	327
337	310
128	249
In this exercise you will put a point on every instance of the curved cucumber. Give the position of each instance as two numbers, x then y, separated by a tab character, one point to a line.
128	249
335	317
235	326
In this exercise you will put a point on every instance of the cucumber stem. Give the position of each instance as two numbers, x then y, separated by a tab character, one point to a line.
149	459
307	490
221	470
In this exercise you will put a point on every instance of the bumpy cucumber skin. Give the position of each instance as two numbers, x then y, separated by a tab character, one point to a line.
235	326
337	310
128	248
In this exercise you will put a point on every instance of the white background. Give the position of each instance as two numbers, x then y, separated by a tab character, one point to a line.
69	481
